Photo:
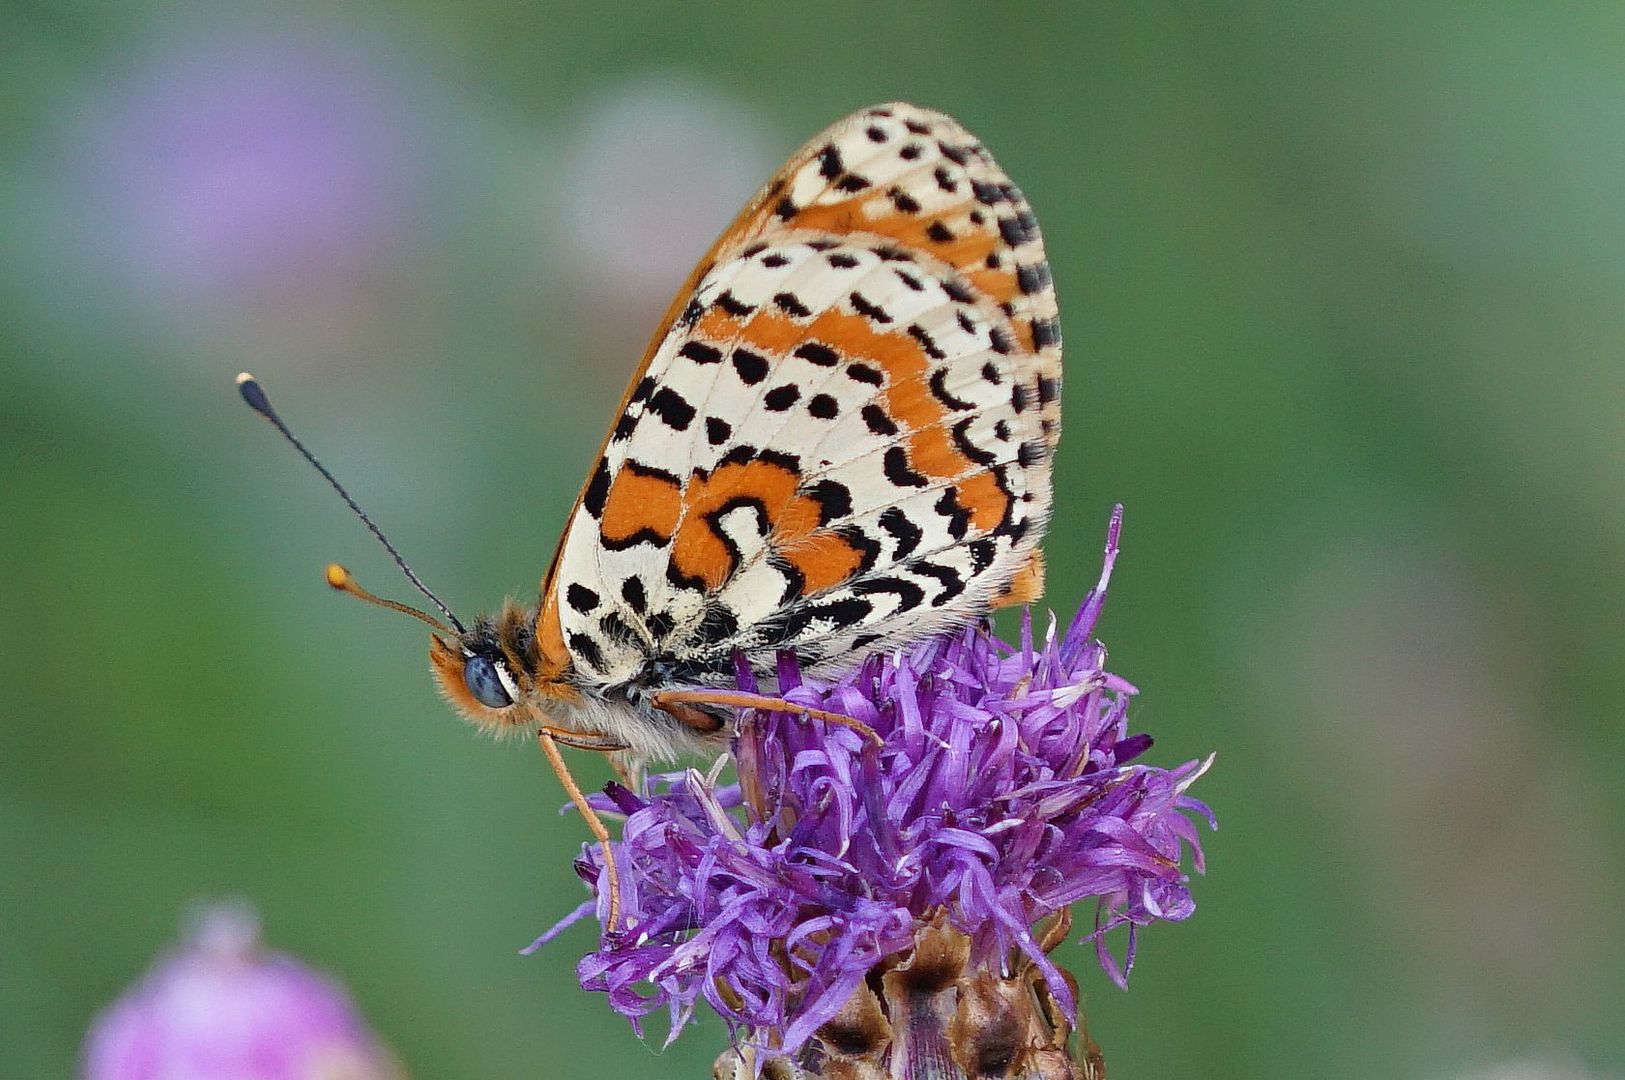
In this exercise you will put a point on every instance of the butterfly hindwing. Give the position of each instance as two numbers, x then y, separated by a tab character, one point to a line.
843	435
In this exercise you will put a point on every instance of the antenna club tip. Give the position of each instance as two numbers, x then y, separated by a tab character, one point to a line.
338	577
254	394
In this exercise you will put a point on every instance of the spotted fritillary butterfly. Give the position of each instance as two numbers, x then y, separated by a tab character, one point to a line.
839	440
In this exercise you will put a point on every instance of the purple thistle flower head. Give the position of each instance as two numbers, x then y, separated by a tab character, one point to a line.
1004	793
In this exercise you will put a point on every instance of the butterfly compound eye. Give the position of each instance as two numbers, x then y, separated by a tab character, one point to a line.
485	682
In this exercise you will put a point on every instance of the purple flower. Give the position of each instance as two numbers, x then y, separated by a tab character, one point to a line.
243	157
223	1009
1003	794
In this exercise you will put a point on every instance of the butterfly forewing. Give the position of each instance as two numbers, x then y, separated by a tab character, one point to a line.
843	435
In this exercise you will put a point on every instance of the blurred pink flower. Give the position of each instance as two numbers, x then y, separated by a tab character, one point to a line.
653	173
244	156
223	1009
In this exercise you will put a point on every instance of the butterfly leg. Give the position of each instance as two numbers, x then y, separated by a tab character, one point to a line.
585	740
549	738
675	702
626	771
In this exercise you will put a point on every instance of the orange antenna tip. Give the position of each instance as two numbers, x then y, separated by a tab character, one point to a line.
339	578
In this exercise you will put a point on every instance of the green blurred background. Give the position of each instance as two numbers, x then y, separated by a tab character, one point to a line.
1341	287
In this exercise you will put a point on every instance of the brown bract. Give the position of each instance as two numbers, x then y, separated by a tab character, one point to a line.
932	1016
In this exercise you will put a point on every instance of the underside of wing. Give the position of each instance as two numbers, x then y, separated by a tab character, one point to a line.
843	435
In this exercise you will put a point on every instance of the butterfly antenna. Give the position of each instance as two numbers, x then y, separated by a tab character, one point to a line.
254	394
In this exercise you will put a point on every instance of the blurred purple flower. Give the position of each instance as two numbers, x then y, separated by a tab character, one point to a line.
1002	795
222	1009
243	156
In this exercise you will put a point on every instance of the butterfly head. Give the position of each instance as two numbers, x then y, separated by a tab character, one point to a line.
486	671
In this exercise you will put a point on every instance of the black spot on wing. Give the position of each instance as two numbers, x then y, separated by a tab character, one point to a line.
592	500
981	553
786	461
660	626
858	371
987	193
1033	278
719	623
905	532
615	628
829	162
632	592
946	576
958	517
898	471
876	419
834	500
700	352
815	353
867	547
838	614
962	441
939	390
672	407
751	367
909	595
904	202
790	305
868	310
580	597
586	650
927	342
781	398
795	582
1020	229
732	305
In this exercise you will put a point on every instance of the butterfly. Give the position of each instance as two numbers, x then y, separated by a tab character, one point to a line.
839	440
